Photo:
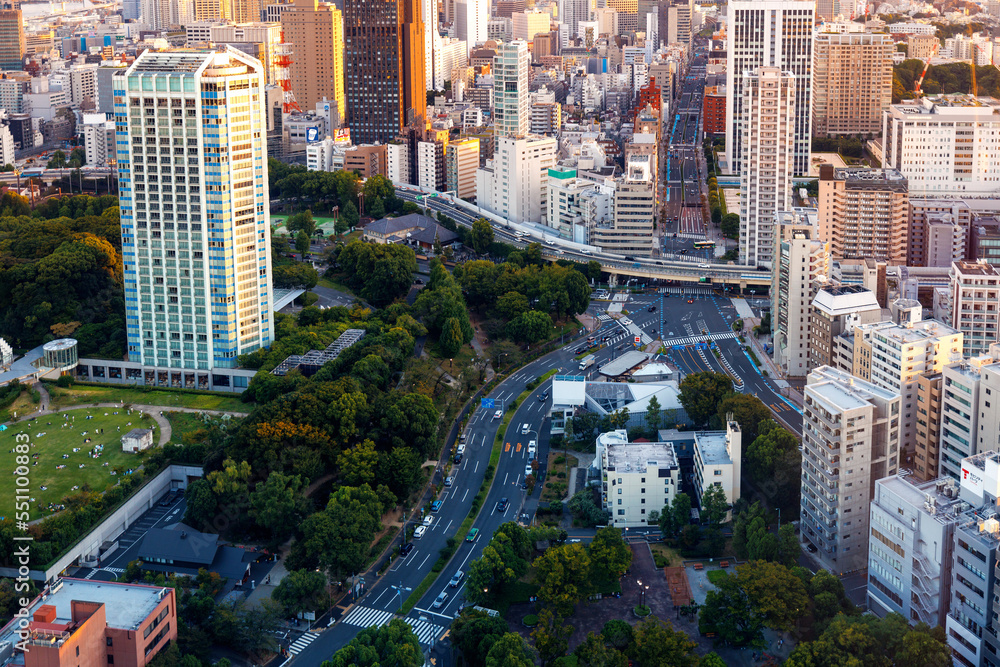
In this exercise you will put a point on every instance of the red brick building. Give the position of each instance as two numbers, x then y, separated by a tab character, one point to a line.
714	110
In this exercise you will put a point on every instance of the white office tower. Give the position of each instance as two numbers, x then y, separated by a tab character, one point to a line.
98	139
769	33
945	145
968	400
432	44
571	12
471	22
803	266
768	136
513	184
511	99
850	439
973	303
192	166
6	146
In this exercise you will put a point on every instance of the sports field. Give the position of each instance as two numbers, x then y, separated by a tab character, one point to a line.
65	456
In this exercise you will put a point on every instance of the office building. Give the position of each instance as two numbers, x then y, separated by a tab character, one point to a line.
964	403
461	162
196	266
431	173
844	101
974	304
921	47
12	45
769	33
828	10
927	453
802	266
213	10
527	24
768	137
511	99
315	31
512	184
850	439
471	18
383	68
714	110
836	310
902	352
945	145
636	478
718	461
910	550
630	231
507	8
984	241
90	622
571	12
432	44
863	213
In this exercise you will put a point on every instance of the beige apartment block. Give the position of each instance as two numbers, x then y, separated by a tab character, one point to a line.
852	83
863	213
316	32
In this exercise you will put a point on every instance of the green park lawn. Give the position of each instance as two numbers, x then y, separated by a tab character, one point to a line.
86	394
50	441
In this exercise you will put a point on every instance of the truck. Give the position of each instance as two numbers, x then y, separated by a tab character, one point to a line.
587	362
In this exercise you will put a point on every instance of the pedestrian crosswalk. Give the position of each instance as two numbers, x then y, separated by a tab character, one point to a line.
603	317
690	340
116	570
300	644
367	617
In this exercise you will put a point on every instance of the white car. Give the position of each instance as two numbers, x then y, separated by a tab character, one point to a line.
532	446
704	266
626	321
440	600
498	414
528	471
526	429
455	580
428	520
419	532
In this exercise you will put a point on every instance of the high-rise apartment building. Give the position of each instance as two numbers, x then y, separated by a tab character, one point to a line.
245	11
845	102
192	167
863	213
630	231
431	171
769	33
850	439
432	46
383	68
837	309
511	99
512	184
902	352
967	410
12	45
767	114
98	139
471	19
802	266
974	304
214	10
316	32
948	144
461	162
527	24
927	453
828	10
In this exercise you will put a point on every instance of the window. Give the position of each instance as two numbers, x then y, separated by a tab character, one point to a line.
109	641
111	659
78	651
717	473
619	501
621	512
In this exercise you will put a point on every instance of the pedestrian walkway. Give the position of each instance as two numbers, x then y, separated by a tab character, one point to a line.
366	617
743	308
300	644
690	340
603	317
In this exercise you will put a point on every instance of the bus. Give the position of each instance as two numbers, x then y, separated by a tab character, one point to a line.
704	244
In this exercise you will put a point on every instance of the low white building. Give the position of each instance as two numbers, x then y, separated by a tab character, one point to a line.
137	440
98	139
636	478
718	457
574	393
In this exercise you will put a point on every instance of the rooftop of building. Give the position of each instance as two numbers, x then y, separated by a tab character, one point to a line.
842	390
126	606
863	177
623	364
975	269
712	448
907	334
640	456
837	299
956	104
937	497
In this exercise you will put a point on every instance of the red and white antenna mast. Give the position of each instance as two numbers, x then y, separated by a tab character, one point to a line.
282	60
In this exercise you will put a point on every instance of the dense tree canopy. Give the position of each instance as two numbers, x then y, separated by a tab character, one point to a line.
701	394
379	272
392	645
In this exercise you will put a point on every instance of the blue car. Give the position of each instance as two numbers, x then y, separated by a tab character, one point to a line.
436	505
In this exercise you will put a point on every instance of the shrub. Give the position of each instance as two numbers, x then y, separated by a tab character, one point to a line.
530	621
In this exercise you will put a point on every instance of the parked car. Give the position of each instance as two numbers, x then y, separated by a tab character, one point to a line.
419	532
528	471
448	481
458	458
405	549
428	520
436	505
532	448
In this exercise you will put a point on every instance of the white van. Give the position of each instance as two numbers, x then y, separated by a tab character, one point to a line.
526	429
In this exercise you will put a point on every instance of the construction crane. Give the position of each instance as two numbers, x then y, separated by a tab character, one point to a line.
927	64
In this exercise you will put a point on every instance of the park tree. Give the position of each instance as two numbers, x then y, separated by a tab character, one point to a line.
751	538
348	218
511	305
657	644
481	236
551	636
503	561
277	505
474	633
378	187
376	209
564	576
875	642
714	506
680	514
701	394
301	222
730	614
775	592
731	225
201	504
774	464
451	340
392	644
619	635
594	652
510	650
585	510
530	327
359	464
610	556
788	545
302	242
301	591
653	414
380	272
711	660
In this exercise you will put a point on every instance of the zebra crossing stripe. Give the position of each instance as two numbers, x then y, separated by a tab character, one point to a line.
426	632
299	644
367	617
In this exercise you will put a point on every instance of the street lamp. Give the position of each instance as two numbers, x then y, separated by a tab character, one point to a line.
399	593
642	592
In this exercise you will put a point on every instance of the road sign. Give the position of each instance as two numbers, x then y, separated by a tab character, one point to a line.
487	403
637	340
